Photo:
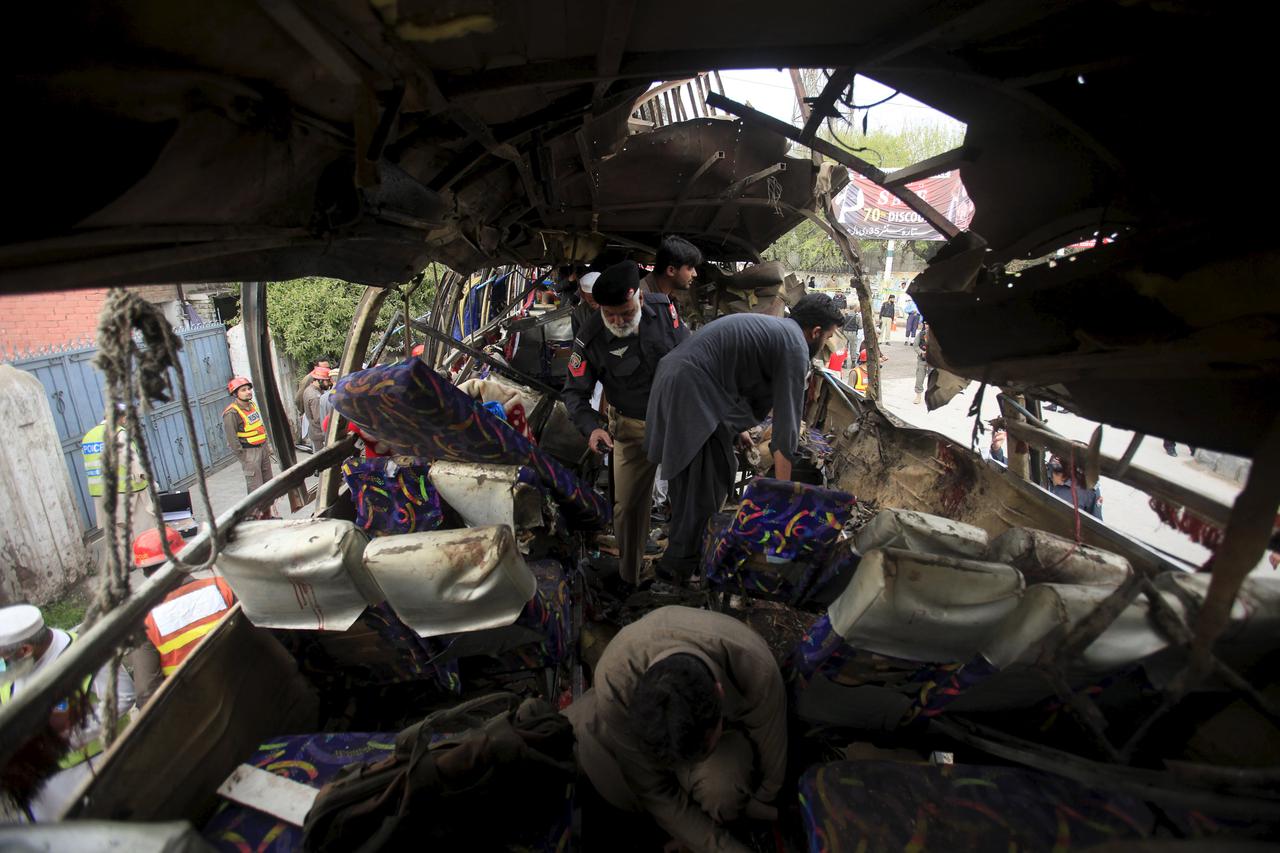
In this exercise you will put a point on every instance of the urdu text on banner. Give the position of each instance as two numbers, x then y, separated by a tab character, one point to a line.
870	212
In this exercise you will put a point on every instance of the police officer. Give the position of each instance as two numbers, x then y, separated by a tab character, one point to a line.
620	347
129	485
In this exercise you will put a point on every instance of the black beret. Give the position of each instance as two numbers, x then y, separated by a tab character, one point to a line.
615	285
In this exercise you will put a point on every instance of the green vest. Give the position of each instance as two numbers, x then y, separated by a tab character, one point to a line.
91	450
93	747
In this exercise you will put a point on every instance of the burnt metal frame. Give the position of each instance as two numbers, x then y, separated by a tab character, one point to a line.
505	369
29	710
862	167
821	106
257	339
353	353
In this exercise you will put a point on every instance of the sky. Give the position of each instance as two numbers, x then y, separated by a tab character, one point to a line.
770	91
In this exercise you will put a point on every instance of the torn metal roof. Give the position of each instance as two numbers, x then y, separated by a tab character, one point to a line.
176	141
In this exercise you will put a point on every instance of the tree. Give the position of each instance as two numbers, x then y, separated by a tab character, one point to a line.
807	247
310	317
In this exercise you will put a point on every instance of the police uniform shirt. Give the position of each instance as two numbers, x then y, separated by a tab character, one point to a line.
625	366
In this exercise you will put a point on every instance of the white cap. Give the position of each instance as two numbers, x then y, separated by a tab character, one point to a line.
588	282
18	623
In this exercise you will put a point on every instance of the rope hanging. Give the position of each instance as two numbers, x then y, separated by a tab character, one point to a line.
138	373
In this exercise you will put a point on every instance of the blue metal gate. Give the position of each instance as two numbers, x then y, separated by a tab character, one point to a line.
75	390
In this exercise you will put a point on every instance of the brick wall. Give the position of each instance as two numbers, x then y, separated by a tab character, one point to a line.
32	320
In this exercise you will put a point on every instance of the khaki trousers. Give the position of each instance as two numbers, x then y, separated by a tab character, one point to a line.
255	463
886	329
144	513
633	475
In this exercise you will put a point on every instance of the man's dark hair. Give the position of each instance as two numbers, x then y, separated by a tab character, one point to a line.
675	708
816	309
675	252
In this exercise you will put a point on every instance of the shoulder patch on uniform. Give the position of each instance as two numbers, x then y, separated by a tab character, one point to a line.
577	365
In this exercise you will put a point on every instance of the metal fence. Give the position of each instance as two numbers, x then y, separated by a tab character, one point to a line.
75	390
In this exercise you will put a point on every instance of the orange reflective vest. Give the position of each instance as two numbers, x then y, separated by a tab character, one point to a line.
177	624
252	430
860	380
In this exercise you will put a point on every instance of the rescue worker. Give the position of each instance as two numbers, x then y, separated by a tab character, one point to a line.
620	346
247	436
176	625
304	424
130	486
860	374
686	721
326	401
27	647
724	381
674	271
313	406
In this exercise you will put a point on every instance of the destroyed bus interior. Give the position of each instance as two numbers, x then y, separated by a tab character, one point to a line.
968	661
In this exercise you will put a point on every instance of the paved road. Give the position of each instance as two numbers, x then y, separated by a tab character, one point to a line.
1124	508
227	486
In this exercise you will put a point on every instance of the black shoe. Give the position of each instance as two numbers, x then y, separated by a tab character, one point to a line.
664	575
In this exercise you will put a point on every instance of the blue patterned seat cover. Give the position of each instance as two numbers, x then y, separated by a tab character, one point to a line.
411	410
391	497
890	805
780	524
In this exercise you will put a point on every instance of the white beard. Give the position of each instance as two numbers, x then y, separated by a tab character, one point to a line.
626	330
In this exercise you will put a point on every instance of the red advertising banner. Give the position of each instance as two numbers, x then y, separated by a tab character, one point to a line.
871	212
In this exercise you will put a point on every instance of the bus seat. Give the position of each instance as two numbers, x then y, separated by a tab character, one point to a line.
918	531
780	542
315	760
485	494
414	411
924	606
452	581
1043	557
893	805
302	574
392	497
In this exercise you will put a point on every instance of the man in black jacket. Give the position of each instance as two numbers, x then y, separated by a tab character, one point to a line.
620	346
887	313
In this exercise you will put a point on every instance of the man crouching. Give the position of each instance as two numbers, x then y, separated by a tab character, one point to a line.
686	721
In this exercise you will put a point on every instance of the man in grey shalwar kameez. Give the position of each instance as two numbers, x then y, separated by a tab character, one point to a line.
723	381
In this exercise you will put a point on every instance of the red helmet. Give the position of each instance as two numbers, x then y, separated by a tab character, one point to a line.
236	383
418	350
147	550
321	372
